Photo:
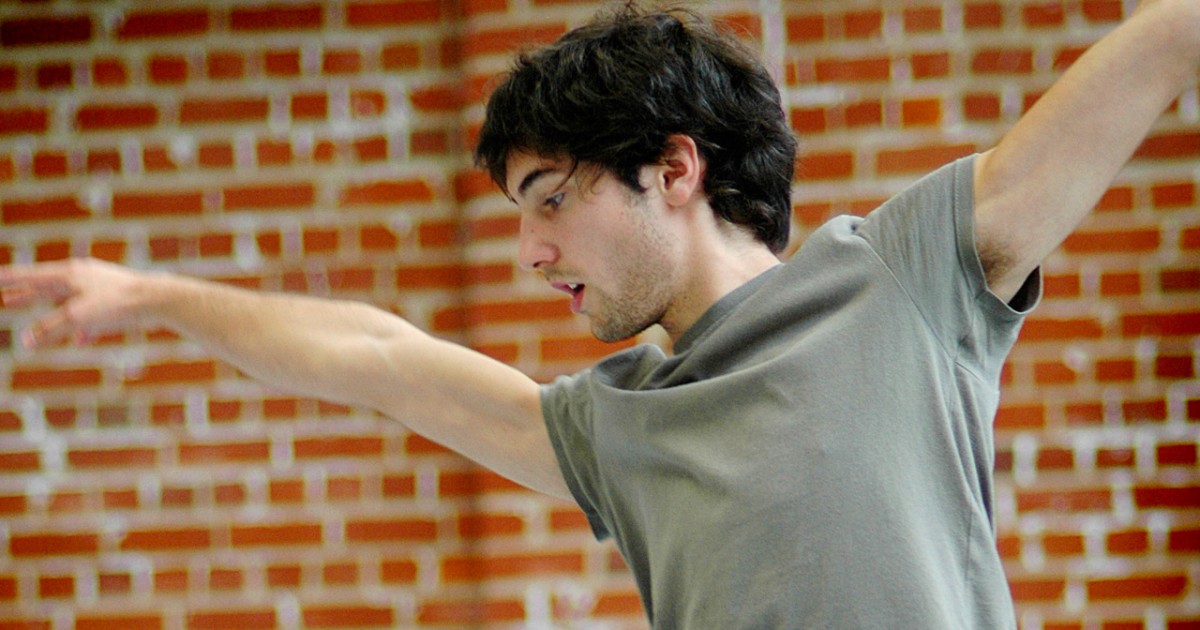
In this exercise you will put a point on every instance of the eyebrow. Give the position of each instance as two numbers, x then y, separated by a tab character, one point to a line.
532	177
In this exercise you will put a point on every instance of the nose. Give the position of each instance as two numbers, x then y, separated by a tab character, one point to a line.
533	248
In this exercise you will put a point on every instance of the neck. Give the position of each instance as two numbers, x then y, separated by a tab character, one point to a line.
721	257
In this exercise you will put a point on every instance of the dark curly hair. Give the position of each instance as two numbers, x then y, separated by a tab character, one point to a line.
610	93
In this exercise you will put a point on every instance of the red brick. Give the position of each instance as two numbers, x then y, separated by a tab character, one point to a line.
930	65
347	616
980	15
922	19
1175	367
48	378
1003	61
20	461
391	530
1103	10
1059	545
1183	540
275	535
1115	370
268	196
149	621
508	40
39	31
276	17
55	75
473	482
24	120
486	525
853	70
805	28
1078	500
313	105
1137	587
106	117
112	457
102	161
167	69
225	619
166	539
170	581
28	545
273	152
575	348
385	14
919	159
1046	329
921	112
142	205
400	57
1128	542
1120	284
1160	324
337	447
862	24
1179	280
387	193
1167	497
398	572
1168	146
177	23
1043	14
49	164
1144	410
282	63
109	72
286	491
215	155
8	78
469	612
225	65
222	452
174	372
226	110
822	166
337	62
863	114
482	568
371	149
1037	589
1174	195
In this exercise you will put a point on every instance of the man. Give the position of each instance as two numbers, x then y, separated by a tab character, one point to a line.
817	450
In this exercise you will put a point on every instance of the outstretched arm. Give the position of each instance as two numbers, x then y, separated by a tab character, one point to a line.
1051	169
340	351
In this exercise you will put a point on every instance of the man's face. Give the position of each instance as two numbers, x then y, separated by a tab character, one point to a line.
596	240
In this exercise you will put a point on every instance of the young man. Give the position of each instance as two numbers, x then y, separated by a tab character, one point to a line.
817	450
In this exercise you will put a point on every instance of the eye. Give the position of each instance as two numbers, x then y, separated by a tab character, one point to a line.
554	201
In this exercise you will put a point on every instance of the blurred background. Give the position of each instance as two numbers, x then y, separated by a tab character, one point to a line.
325	148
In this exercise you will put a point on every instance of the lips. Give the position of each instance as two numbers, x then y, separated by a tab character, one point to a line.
575	290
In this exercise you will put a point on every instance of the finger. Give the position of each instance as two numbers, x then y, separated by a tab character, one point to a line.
16	296
50	329
47	279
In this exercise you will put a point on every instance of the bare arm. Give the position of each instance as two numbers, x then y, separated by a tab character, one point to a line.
1051	169
341	351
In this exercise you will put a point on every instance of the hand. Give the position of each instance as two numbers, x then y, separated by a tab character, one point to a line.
90	295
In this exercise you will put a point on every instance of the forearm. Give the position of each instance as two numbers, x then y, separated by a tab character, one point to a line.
324	348
1049	171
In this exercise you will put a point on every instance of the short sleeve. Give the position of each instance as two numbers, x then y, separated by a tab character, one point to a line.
926	238
566	407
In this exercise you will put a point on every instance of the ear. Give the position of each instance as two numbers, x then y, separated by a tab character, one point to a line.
680	173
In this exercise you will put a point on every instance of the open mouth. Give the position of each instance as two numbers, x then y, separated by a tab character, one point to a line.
575	290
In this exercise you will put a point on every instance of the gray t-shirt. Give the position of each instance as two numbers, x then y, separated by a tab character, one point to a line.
818	451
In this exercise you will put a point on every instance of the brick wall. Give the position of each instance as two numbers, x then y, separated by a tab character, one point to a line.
324	147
